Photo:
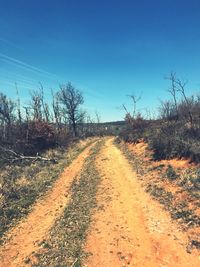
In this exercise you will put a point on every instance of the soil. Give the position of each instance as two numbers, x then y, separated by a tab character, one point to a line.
129	228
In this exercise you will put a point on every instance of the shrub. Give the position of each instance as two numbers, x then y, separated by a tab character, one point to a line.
171	174
174	139
36	137
135	129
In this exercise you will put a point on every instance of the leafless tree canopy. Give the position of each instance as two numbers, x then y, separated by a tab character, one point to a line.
71	99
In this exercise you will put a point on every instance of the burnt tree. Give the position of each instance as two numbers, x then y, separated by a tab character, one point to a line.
71	99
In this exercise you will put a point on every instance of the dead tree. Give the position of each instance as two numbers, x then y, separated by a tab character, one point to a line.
36	104
131	117
57	114
178	86
7	107
98	125
71	99
44	105
135	100
28	119
168	111
181	88
18	106
173	91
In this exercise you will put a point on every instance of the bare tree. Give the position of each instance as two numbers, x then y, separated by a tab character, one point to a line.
173	91
18	106
178	86
167	110
6	109
36	104
131	117
6	113
28	113
28	117
57	114
135	100
44	105
72	98
98	118
181	88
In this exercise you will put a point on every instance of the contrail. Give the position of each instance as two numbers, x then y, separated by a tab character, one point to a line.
24	65
17	77
5	41
28	87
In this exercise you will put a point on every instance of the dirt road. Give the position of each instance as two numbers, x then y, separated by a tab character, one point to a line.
128	227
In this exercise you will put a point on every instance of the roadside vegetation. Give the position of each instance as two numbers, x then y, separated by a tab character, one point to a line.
28	129
175	132
23	182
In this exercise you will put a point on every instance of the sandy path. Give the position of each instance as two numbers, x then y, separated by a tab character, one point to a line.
25	237
129	228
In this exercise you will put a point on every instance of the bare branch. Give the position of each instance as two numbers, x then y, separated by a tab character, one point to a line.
17	157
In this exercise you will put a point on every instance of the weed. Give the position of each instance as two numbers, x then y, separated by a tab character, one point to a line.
161	194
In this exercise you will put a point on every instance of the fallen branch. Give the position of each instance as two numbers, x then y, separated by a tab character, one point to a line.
73	264
17	156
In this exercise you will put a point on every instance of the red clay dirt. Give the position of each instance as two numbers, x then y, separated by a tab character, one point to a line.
130	228
180	195
24	239
141	148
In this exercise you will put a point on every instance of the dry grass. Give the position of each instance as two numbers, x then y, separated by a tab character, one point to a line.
21	184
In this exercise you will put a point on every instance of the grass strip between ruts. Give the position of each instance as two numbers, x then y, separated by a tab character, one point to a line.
67	236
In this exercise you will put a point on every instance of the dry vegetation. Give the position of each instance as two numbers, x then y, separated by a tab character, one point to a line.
28	129
176	132
23	182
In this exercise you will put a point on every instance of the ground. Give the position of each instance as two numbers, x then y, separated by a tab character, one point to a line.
127	227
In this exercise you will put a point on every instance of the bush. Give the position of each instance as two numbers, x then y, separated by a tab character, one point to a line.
135	129
40	136
171	174
174	139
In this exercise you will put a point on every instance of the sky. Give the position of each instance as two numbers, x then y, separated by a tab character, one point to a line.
107	49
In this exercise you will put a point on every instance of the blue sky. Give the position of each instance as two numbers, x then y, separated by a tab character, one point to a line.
107	49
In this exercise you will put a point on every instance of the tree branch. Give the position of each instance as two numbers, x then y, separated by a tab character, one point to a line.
17	156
